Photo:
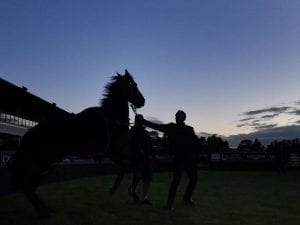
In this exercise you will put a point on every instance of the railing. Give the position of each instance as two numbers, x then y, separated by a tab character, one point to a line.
264	157
14	120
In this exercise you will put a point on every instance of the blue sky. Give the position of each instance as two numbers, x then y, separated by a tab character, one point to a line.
215	59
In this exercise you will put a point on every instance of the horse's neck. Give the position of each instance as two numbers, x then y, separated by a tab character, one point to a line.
116	118
116	112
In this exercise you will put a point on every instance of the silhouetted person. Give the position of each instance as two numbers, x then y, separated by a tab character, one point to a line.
182	141
142	151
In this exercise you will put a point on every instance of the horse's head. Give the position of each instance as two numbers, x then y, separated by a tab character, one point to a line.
119	92
131	90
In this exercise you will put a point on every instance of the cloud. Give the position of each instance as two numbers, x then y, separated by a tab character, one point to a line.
265	126
258	125
269	116
267	135
246	119
296	112
268	110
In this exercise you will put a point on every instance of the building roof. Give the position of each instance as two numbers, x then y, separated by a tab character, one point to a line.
19	102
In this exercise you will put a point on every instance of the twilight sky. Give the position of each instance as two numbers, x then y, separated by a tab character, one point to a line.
232	65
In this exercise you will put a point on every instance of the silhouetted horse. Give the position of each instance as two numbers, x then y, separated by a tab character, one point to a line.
94	130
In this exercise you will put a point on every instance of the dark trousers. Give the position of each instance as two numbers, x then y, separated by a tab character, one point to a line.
178	168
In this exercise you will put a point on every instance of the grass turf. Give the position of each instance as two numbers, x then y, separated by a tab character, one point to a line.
222	198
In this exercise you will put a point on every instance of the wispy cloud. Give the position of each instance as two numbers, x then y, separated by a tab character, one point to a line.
266	126
255	121
268	110
246	119
257	124
270	116
296	112
267	135
265	118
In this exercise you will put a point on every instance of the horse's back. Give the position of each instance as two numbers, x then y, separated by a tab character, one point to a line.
82	133
93	129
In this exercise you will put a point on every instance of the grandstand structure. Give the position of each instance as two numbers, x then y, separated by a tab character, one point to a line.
19	111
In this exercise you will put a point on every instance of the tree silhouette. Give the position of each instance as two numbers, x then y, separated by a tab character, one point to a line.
216	144
245	145
257	146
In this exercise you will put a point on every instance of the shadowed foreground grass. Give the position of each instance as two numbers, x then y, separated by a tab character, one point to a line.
222	197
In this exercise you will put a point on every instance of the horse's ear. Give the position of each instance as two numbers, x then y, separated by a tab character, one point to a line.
119	75
126	72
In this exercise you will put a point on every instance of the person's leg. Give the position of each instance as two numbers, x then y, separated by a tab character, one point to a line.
146	189
118	180
191	169
135	181
147	178
177	173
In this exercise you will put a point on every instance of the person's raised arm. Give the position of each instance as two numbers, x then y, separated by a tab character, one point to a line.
160	127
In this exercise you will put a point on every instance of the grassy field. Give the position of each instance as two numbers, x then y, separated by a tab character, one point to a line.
222	197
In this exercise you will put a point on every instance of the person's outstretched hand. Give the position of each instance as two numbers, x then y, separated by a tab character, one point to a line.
139	118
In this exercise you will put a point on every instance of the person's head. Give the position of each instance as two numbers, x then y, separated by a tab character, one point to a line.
180	117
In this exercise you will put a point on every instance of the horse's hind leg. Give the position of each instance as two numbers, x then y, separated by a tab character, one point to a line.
117	182
119	178
26	177
39	206
29	185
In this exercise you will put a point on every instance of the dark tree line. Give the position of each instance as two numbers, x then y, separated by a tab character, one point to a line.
291	146
212	144
250	146
215	144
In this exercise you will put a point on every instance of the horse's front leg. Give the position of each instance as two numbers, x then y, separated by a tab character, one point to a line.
119	178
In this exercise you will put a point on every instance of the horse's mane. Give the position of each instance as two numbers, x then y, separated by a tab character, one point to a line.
109	90
112	90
